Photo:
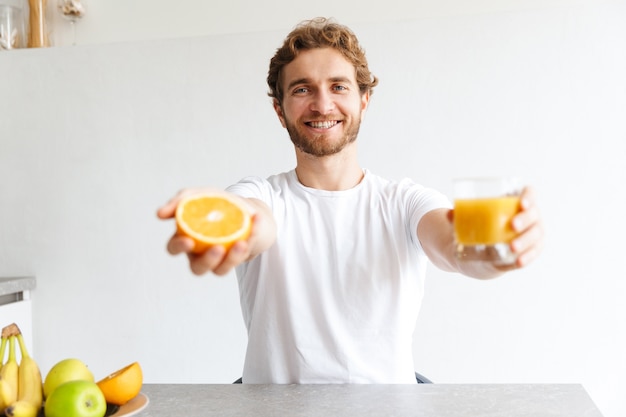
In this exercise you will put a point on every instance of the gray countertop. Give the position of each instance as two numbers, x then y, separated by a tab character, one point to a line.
428	400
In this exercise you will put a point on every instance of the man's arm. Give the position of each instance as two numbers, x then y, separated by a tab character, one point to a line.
436	234
216	259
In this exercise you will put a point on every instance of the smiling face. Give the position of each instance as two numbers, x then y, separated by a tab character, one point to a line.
322	106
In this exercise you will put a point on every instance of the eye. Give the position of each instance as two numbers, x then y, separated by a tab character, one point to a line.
300	90
340	87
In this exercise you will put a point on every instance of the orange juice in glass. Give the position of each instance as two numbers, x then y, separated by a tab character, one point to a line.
483	210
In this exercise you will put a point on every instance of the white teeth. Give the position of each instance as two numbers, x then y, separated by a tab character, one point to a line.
323	125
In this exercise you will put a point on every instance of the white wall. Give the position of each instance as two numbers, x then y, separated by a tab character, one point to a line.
94	138
122	21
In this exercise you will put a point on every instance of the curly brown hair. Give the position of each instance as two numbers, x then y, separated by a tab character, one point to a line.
320	33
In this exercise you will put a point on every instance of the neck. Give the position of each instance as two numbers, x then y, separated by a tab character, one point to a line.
332	173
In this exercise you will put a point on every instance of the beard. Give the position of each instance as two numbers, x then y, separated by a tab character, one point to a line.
319	145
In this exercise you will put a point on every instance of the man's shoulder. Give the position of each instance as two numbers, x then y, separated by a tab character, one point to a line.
262	188
407	190
271	181
282	179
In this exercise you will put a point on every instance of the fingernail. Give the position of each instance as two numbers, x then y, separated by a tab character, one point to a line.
518	224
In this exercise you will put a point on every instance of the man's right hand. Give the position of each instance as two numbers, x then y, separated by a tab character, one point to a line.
216	259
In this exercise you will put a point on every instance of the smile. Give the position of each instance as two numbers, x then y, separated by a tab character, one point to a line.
327	124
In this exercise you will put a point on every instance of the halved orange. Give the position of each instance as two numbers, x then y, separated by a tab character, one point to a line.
123	385
213	219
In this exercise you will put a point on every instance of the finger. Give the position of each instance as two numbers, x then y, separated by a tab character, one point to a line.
529	215
528	245
528	199
168	210
527	257
179	244
207	261
525	219
237	254
240	251
165	212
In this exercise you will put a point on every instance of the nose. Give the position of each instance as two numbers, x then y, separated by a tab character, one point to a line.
322	102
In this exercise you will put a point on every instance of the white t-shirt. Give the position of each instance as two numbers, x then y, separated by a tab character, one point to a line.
336	297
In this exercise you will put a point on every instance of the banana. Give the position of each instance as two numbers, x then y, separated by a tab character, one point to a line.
30	387
9	373
5	387
22	409
6	394
3	347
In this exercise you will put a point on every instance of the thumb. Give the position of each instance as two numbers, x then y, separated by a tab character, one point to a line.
168	210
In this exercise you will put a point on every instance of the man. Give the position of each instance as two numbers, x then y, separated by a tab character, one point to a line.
331	278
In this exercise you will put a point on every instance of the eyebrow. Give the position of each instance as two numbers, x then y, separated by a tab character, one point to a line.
297	82
308	81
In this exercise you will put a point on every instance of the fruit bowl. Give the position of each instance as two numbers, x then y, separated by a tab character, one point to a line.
130	408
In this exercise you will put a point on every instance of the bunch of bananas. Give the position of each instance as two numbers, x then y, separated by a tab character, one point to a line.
21	390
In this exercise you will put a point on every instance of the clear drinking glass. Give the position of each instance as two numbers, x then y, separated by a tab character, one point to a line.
483	211
12	33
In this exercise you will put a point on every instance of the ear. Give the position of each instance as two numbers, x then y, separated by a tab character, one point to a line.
279	112
365	100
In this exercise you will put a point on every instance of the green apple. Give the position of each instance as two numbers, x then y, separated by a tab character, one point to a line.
76	399
64	371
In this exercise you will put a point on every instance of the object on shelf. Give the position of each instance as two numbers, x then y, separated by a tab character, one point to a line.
71	9
38	32
12	34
